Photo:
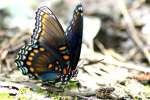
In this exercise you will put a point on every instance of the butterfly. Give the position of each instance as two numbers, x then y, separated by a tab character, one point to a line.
52	54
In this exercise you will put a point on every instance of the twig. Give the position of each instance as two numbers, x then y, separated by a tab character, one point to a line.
113	61
134	34
141	77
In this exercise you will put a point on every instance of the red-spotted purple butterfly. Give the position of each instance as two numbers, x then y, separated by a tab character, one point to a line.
51	55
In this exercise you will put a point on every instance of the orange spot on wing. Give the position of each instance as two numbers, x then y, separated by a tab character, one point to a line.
44	16
66	57
50	66
35	51
41	49
28	63
31	69
30	58
43	28
32	54
62	48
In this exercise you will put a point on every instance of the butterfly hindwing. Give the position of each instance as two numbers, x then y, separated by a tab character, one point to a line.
46	56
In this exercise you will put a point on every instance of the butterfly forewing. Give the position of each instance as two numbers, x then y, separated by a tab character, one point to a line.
74	35
47	29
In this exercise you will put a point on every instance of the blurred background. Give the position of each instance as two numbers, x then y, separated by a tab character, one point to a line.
115	55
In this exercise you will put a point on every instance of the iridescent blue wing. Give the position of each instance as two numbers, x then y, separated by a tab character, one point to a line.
74	35
47	55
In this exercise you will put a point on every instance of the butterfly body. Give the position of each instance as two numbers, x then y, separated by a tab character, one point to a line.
49	54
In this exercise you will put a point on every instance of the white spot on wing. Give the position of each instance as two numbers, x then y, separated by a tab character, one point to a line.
80	8
29	48
23	57
21	63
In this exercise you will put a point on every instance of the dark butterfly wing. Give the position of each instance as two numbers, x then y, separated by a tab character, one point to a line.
74	35
47	56
38	62
47	29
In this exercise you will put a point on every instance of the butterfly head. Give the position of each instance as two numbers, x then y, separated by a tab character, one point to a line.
79	10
